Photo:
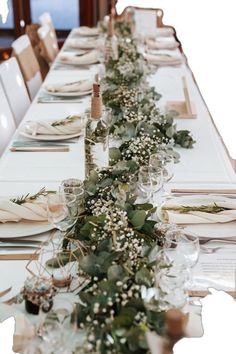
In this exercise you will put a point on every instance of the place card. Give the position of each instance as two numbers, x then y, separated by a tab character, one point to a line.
145	22
186	108
217	270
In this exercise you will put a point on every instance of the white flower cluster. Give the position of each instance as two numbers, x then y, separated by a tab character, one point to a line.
140	148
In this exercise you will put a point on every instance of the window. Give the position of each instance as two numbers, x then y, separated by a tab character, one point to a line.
65	13
10	21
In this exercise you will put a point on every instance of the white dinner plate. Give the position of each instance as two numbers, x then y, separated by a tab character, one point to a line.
83	32
72	62
23	228
50	137
217	230
67	94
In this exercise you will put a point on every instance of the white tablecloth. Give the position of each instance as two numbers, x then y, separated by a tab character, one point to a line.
206	165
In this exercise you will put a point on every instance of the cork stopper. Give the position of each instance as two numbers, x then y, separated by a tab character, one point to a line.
175	323
96	102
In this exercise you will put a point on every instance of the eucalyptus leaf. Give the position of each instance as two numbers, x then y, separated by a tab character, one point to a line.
138	219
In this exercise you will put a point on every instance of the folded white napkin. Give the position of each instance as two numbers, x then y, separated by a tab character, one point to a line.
163	59
198	217
163	32
87	31
35	211
86	59
77	86
69	125
162	44
82	43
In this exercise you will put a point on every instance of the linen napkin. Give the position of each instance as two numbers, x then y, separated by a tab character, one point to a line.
86	59
162	32
34	211
77	86
82	43
87	31
162	44
168	214
69	125
163	59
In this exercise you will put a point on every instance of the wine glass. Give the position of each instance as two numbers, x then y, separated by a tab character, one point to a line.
185	245
166	163
76	187
62	210
156	175
145	181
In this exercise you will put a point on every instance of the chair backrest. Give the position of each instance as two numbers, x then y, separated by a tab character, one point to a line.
7	124
24	53
48	46
46	19
32	31
15	89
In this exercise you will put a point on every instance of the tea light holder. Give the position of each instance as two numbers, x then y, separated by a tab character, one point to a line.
38	293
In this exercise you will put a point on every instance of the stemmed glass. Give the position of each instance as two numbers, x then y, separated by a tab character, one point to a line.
184	246
62	211
145	181
164	161
150	180
156	174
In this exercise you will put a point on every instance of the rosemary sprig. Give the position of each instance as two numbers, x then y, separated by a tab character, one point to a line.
67	120
211	209
29	198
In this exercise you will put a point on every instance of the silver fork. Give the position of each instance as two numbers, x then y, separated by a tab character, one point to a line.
221	240
211	250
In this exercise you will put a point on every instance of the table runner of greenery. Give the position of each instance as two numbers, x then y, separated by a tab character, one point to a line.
116	234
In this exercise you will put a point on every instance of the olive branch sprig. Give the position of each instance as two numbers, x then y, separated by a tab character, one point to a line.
211	209
67	120
30	198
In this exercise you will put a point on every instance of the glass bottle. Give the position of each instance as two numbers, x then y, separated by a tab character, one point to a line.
97	133
111	43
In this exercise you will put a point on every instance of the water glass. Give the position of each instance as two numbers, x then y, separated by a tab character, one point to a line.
186	245
145	181
76	187
62	210
156	174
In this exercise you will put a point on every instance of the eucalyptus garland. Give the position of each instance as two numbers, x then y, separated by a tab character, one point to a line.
126	90
119	237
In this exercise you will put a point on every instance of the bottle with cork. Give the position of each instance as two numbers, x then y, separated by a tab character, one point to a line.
111	43
97	133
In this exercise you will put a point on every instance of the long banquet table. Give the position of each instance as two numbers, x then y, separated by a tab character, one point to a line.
207	165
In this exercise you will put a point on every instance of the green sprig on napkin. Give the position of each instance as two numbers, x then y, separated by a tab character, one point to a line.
67	120
211	209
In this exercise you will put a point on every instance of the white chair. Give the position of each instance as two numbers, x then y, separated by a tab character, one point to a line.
24	53
46	19
15	89
48	45
7	124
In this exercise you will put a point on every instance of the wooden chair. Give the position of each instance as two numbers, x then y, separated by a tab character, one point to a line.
46	19
48	45
15	89
24	53
7	124
32	31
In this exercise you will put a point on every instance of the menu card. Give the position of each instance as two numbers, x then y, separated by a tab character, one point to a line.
217	270
145	22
